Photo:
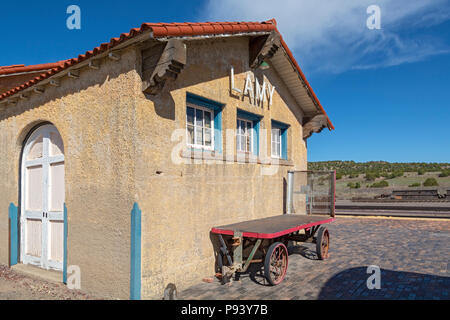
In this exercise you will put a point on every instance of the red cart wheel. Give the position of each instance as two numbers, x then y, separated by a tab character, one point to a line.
322	243
276	263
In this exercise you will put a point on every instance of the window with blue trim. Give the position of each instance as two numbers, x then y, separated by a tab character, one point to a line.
279	140
203	123
247	132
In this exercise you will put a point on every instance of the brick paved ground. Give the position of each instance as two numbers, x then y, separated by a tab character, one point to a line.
413	256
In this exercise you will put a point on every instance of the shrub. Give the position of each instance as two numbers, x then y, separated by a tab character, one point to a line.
444	173
371	176
430	182
395	175
416	184
421	172
380	184
352	185
338	176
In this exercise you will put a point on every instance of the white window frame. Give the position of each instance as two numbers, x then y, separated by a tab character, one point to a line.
280	150
250	135
195	145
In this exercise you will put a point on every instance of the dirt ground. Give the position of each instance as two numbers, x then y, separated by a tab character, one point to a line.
15	286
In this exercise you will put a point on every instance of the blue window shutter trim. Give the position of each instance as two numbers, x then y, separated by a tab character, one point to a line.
14	233
218	131
203	102
248	115
135	268
279	125
284	144
256	137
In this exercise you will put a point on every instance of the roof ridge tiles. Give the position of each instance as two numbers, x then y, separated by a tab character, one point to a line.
161	30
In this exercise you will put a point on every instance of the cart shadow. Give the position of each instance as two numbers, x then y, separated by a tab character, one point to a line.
256	273
303	251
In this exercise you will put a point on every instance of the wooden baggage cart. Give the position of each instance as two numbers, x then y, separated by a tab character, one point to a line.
310	205
265	241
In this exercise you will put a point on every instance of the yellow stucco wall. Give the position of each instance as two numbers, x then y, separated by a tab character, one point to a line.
94	115
118	151
182	202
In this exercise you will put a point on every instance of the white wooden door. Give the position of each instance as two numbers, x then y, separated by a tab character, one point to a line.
42	199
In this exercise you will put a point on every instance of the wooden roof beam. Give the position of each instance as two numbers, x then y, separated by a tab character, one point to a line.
170	64
263	48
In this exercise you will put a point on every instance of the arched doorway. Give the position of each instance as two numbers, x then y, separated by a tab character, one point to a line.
42	199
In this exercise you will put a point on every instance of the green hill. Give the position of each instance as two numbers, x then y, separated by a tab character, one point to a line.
369	179
379	168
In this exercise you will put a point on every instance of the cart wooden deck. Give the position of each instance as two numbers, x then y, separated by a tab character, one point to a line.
273	227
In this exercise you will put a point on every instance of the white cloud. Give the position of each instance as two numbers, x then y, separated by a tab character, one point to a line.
331	36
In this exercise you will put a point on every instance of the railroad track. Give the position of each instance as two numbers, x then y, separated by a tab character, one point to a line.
424	209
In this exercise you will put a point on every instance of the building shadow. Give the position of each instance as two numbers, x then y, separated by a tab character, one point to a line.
351	284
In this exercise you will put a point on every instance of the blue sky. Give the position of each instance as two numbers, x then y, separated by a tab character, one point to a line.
387	91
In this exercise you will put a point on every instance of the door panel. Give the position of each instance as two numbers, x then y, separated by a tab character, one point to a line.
34	191
56	250
34	238
56	187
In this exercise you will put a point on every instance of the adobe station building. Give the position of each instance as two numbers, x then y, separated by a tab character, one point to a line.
121	160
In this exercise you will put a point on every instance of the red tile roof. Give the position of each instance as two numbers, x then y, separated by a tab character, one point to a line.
161	30
21	68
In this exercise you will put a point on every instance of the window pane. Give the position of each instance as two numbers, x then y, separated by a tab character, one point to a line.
190	132
198	136
36	150
56	144
276	135
249	126
207	119
208	137
238	142
199	118
190	115
243	143
240	129
249	144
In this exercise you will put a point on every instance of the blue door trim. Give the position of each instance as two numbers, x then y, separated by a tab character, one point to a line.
14	234
135	270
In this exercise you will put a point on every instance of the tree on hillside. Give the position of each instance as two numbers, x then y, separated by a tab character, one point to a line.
430	182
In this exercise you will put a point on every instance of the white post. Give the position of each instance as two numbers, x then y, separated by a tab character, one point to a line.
289	192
